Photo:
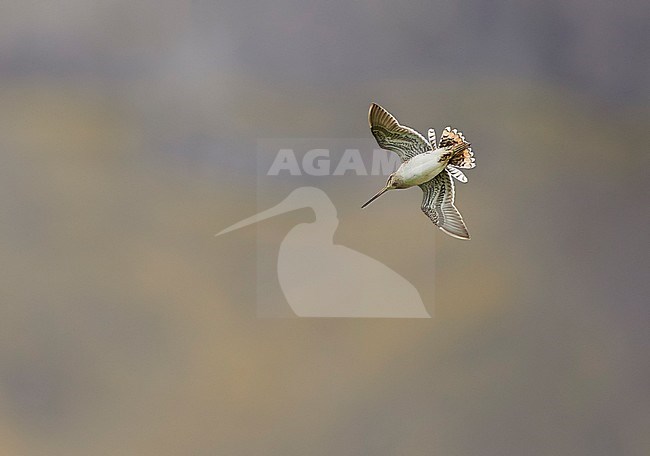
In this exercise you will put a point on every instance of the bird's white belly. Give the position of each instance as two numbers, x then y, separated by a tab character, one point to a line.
421	168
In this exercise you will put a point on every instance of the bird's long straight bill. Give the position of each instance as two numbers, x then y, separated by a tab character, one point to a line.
379	193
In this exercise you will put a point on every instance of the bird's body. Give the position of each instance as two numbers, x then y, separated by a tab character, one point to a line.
426	163
421	168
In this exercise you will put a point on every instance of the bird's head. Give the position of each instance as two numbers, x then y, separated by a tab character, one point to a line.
393	182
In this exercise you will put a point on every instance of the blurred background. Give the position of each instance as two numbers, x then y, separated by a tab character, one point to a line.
128	134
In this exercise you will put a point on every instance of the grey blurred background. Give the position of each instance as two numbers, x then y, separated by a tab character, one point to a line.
128	133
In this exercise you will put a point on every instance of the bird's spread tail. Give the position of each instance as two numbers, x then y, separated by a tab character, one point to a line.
454	141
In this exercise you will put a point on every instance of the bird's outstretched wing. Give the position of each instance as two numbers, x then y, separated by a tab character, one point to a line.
438	205
390	135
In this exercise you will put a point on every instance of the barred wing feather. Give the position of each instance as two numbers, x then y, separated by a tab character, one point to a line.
390	135
438	205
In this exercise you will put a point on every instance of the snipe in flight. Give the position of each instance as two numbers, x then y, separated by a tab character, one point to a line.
427	164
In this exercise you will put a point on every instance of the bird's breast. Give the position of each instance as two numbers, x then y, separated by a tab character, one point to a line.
421	168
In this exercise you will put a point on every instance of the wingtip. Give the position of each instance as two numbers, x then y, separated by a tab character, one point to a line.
372	112
379	116
464	237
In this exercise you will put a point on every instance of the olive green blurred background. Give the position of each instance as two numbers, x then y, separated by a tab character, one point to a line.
128	134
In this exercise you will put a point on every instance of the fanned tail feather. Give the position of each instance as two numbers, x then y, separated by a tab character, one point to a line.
457	173
454	140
